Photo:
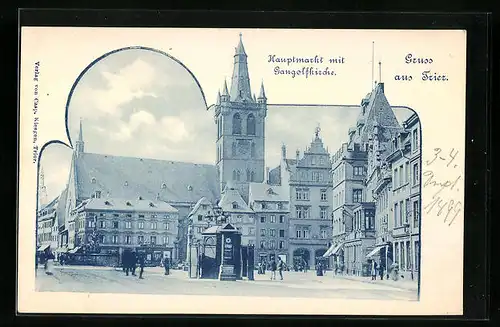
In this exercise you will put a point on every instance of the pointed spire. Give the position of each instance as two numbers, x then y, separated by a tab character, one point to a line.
240	82
80	135
224	89
262	94
218	97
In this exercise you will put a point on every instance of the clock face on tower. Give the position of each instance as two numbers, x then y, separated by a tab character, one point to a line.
243	147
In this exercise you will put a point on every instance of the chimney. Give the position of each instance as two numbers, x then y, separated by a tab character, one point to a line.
267	175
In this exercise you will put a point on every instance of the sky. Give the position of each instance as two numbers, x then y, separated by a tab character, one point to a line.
142	103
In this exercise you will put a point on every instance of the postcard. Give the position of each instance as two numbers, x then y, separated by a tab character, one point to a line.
241	171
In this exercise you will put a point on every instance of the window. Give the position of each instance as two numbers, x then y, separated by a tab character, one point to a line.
262	232
359	170
401	176
322	160
262	219
251	125
128	224
282	219
141	225
416	214
396	214
116	215
306	233
323	213
141	216
166	226
262	244
323	233
90	224
281	244
282	233
115	224
140	239
323	195
154	225
298	233
280	206
357	195
316	177
101	215
115	239
252	150
273	219
251	231
165	240
401	213
313	161
272	244
407	171
127	239
129	215
200	217
272	232
415	140
98	194
263	205
235	205
395	178
416	175
236	124
302	194
153	239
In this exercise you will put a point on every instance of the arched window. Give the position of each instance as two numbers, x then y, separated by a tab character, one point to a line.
248	175
234	175
252	176
238	175
233	149
252	150
236	124
251	125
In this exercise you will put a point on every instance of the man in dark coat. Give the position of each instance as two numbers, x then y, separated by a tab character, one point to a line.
133	262
141	265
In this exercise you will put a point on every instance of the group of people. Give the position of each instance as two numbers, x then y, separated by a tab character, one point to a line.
272	266
129	262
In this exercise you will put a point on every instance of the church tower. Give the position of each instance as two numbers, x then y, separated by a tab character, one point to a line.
42	190
80	145
240	119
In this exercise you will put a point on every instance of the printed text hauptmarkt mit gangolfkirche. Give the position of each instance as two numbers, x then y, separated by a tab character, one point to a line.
304	66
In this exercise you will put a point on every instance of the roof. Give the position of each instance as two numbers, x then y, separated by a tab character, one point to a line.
130	177
232	195
266	192
128	205
61	206
51	205
275	176
202	201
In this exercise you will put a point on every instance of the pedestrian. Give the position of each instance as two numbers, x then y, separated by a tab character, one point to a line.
374	270
381	269
141	265
133	262
165	264
273	270
281	266
49	263
319	269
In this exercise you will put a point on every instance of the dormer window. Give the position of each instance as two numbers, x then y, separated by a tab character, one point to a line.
126	183
107	203
140	197
190	188
235	205
151	204
163	186
98	194
129	204
93	180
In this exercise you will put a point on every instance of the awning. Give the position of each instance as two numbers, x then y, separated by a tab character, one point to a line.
375	250
72	251
43	247
332	250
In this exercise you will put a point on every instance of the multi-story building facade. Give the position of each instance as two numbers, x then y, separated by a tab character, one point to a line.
404	162
119	224
271	206
310	185
47	230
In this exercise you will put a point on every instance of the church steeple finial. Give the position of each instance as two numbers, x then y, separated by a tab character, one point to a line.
262	94
240	82
80	144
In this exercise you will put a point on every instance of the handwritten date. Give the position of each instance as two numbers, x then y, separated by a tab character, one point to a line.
449	208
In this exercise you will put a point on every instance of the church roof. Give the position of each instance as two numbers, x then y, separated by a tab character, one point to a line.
240	82
52	204
130	177
61	206
116	204
232	196
275	176
266	192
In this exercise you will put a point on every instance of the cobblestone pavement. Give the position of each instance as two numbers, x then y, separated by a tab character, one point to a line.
295	284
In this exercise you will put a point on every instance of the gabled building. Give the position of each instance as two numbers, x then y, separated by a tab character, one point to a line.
47	230
271	206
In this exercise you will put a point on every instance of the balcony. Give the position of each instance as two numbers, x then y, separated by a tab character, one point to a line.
400	231
359	234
